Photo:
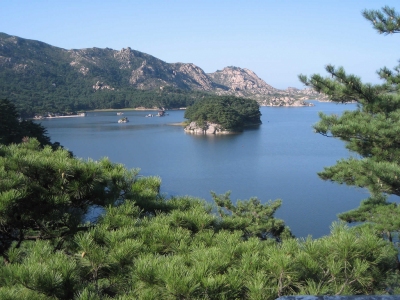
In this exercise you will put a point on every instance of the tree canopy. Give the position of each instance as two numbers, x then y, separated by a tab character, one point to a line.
372	132
231	113
46	193
13	129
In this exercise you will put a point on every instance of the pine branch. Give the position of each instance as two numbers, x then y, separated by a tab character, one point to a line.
385	22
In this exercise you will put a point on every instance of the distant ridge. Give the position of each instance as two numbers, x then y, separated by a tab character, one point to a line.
29	67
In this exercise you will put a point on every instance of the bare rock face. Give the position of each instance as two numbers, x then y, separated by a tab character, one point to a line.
241	81
82	57
307	93
157	74
124	57
5	60
141	73
245	83
101	86
208	128
195	75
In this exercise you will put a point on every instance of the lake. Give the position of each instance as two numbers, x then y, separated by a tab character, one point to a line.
278	159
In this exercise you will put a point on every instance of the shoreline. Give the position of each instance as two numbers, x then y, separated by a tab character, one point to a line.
72	116
132	109
136	108
181	108
183	124
58	117
122	109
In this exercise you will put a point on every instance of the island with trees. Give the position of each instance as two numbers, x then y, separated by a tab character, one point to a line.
222	114
147	246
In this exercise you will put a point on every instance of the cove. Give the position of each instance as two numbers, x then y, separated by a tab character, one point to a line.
278	159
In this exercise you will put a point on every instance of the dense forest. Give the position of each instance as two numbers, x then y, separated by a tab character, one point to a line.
146	246
75	95
231	113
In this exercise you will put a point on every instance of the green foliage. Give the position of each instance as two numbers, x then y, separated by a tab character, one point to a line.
130	260
40	269
44	194
74	98
372	132
254	218
231	113
385	21
13	130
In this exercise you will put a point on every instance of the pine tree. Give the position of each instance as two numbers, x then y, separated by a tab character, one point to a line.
188	252
372	132
45	194
13	130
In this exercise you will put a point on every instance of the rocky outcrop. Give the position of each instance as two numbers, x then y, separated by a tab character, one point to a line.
245	83
140	74
125	57
208	128
195	76
306	94
242	81
4	60
101	86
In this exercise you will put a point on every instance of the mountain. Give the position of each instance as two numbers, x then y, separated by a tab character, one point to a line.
40	77
245	83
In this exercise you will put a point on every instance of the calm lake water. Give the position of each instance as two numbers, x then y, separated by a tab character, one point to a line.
279	159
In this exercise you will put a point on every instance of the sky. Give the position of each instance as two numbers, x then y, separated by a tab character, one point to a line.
277	39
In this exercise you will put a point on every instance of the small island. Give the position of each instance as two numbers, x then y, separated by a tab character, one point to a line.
221	115
123	120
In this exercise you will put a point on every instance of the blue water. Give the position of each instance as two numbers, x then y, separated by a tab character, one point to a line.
279	159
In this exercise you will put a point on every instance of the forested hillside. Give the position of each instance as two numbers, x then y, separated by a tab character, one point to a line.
40	78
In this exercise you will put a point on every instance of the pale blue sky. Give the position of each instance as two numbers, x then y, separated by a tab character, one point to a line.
277	39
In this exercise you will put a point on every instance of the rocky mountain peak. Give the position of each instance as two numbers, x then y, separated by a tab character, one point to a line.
124	56
238	79
195	76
